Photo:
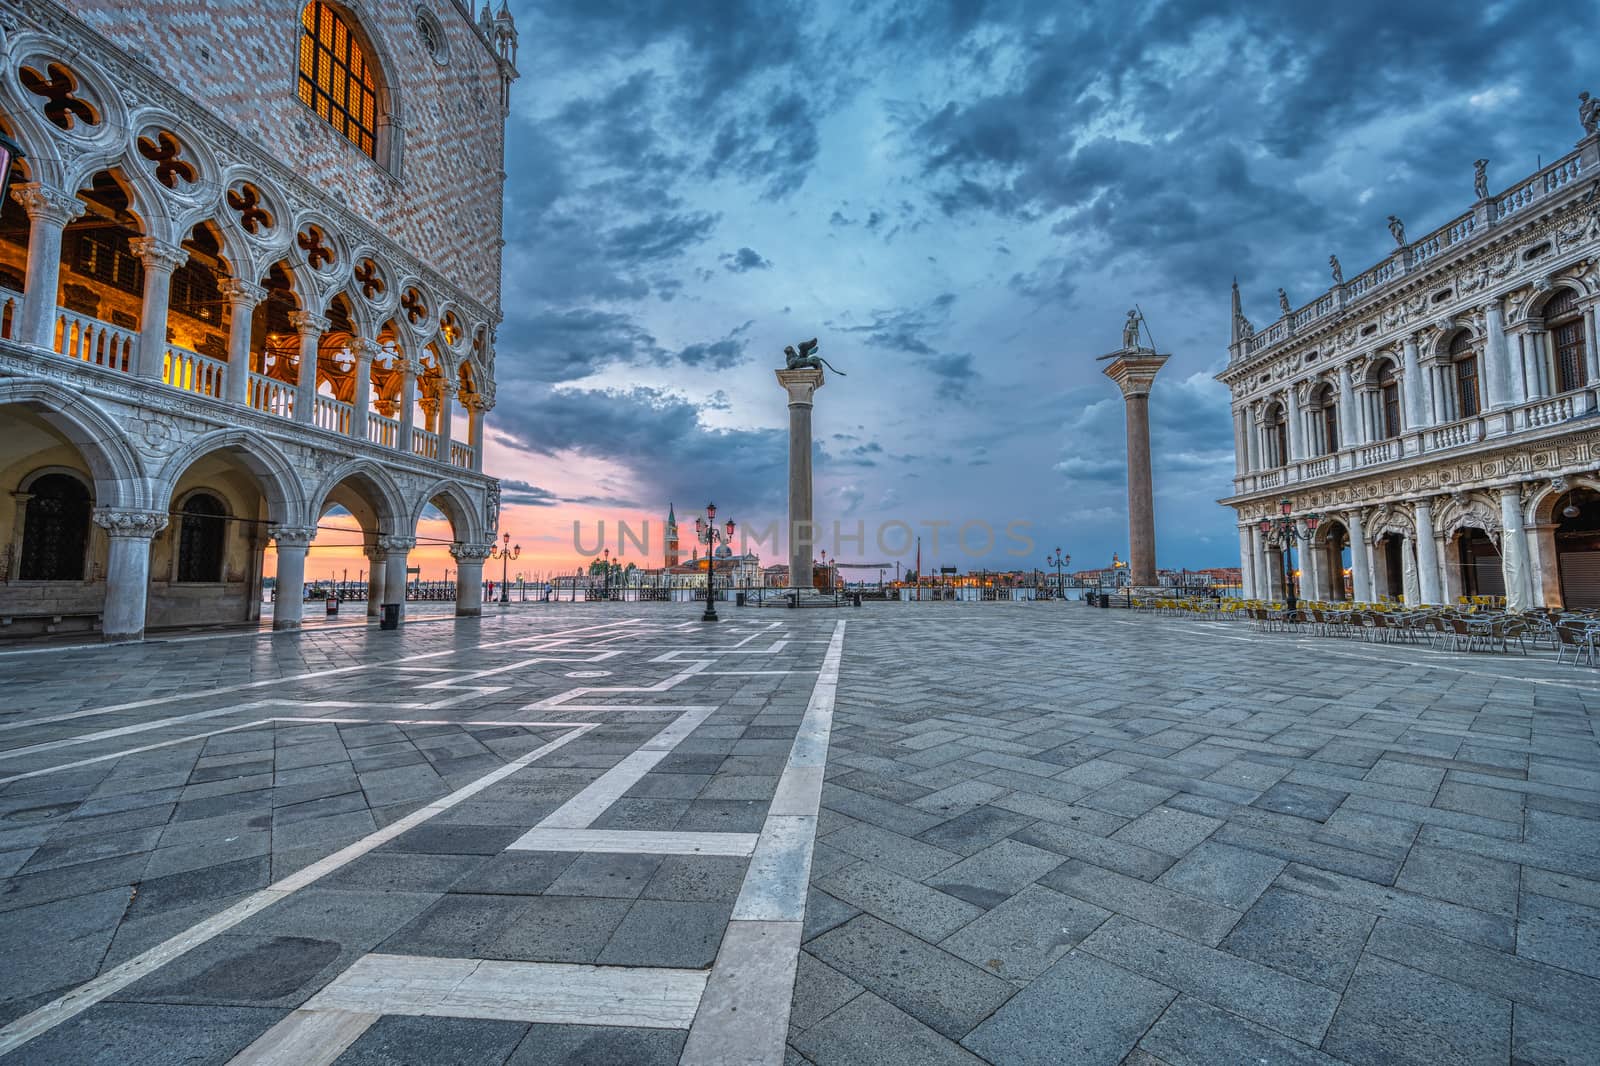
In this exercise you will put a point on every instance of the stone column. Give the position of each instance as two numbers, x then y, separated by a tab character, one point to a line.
160	260
409	369
1544	573
1591	355
801	386
1252	438
366	349
375	583
291	543
1496	360
311	327
49	211
1415	387
396	552
1310	565
475	412
128	533
469	577
1428	578
1449	569
447	410
1360	559
1241	441
1349	413
1247	563
242	297
1297	428
1258	551
1134	372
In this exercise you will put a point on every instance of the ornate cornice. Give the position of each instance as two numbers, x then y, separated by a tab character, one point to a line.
130	523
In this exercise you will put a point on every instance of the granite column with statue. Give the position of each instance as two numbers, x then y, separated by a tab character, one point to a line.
1134	368
800	385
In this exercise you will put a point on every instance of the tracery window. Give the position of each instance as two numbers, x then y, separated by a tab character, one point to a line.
338	79
1389	402
1565	322
55	529
1466	375
201	538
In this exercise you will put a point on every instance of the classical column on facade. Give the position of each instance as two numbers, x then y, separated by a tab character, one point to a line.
1252	437
397	553
1247	564
242	297
1297	428
469	577
160	259
1310	563
1134	370
1417	393
1514	555
1429	586
1591	356
1349	413
1258	564
1360	558
1496	358
128	533
375	568
410	370
310	327
365	350
49	211
477	406
1449	569
801	386
446	418
1241	441
1544	570
291	544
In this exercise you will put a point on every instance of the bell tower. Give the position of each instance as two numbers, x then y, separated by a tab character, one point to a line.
672	537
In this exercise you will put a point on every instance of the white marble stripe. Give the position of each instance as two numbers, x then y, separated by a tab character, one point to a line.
635	842
581	810
307	1038
292	678
80	999
547	992
744	1015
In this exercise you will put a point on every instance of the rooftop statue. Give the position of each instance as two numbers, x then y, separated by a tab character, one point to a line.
1480	179
807	358
1283	303
1130	331
1589	113
1397	230
1338	271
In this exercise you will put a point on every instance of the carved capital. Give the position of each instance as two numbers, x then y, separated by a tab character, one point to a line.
366	349
158	256
292	536
127	523
391	545
471	553
243	295
46	204
309	322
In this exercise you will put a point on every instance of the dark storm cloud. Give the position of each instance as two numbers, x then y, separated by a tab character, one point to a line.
910	329
513	491
745	259
556	346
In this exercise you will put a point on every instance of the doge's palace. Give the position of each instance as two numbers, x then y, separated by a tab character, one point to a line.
249	273
1439	410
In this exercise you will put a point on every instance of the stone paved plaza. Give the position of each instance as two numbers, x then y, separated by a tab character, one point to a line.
584	833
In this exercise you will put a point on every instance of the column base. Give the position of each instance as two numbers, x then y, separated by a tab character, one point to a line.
468	612
285	625
121	638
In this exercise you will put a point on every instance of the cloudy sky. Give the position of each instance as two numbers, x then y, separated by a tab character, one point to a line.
962	200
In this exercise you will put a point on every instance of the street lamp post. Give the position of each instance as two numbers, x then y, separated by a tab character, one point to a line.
605	575
1060	562
1286	533
505	551
705	530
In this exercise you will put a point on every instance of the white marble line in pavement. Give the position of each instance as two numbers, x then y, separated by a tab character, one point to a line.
743	1017
546	992
268	721
293	678
80	999
635	842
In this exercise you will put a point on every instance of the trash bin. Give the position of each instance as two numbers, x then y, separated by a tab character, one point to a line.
858	599
391	616
333	605
738	599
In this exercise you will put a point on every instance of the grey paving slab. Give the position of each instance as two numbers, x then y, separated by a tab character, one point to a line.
148	1034
914	907
1189	916
996	873
1022	937
398	1040
1393	1015
1223	874
1559	932
589	1045
1312	939
1194	1033
870	1030
1082	1010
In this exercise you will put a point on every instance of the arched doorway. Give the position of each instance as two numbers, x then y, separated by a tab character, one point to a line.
1577	541
1476	559
1389	555
1333	544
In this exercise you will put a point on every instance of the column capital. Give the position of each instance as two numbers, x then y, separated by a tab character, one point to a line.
801	384
390	545
241	293
157	255
366	349
471	553
125	522
45	203
409	367
309	322
292	536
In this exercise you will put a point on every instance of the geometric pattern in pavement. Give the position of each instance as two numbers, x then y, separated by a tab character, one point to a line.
1047	834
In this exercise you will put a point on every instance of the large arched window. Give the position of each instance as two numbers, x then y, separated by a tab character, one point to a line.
55	529
201	538
1327	407
1565	322
338	78
1465	364
1388	402
1277	437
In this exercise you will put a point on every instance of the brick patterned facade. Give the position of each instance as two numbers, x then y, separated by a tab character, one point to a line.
238	59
